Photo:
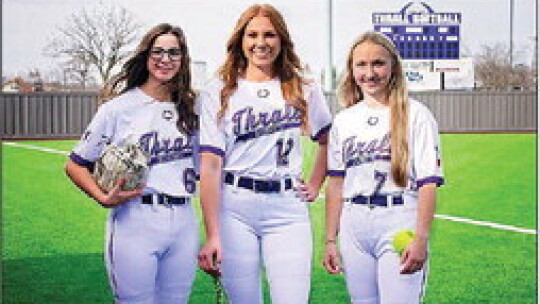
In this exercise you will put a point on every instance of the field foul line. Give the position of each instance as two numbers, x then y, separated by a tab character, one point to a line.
439	216
477	223
487	224
48	150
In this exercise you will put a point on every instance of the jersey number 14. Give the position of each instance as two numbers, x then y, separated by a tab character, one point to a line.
283	149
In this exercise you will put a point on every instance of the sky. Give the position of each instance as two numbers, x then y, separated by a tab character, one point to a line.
28	25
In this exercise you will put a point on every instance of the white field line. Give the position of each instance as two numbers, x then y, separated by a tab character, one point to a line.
477	223
439	216
48	150
487	224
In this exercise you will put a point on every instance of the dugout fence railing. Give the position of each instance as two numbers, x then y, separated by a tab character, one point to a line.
48	115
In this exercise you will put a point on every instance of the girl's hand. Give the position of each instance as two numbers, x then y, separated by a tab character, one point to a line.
210	257
306	191
118	196
331	260
414	256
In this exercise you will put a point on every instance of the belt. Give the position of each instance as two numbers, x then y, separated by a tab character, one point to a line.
257	185
377	200
164	199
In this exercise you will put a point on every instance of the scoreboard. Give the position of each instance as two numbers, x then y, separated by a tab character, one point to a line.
421	33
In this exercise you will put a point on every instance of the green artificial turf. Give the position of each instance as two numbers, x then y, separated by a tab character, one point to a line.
490	177
53	235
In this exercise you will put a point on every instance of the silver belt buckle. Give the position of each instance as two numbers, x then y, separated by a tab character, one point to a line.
235	180
369	204
389	201
166	201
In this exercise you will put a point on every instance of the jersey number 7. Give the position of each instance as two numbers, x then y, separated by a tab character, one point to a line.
380	177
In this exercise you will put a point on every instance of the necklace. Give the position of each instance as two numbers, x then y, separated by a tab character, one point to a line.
372	120
263	93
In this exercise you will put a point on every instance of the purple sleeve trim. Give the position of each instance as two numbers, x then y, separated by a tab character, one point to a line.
76	158
321	132
335	173
439	181
212	149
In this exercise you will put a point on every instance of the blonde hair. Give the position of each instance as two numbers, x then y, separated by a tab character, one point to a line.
349	93
287	65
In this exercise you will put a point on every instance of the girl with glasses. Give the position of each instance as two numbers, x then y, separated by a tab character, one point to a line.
152	232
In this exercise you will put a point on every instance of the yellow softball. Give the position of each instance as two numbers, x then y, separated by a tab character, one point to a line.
401	239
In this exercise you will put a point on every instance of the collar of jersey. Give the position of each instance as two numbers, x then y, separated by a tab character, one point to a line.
149	100
366	106
266	82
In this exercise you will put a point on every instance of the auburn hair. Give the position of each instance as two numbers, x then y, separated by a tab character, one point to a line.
287	66
135	73
349	93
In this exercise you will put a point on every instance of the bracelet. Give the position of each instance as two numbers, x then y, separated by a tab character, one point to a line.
330	241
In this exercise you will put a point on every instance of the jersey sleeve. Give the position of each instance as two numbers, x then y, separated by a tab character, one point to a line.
98	133
319	117
336	166
427	150
211	137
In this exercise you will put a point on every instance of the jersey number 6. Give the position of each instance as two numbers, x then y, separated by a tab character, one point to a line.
190	180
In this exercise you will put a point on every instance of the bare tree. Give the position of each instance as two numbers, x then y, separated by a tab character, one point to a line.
493	70
78	70
95	38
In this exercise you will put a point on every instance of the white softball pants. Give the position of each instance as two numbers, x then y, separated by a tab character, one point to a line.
151	253
270	230
371	266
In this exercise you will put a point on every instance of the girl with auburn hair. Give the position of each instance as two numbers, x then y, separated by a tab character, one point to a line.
383	167
253	199
152	232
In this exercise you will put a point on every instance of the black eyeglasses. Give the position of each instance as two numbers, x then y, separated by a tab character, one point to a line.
175	54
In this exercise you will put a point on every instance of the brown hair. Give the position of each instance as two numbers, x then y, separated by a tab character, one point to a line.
135	73
287	65
349	93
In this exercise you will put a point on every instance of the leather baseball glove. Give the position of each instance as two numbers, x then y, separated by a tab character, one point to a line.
129	162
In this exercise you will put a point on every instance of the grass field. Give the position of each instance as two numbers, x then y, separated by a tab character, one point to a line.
52	234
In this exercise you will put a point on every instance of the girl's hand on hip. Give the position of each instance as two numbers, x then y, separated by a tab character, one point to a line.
306	191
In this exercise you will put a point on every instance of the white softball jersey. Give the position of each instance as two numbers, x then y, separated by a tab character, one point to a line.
259	138
359	151
151	246
152	124
259	135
